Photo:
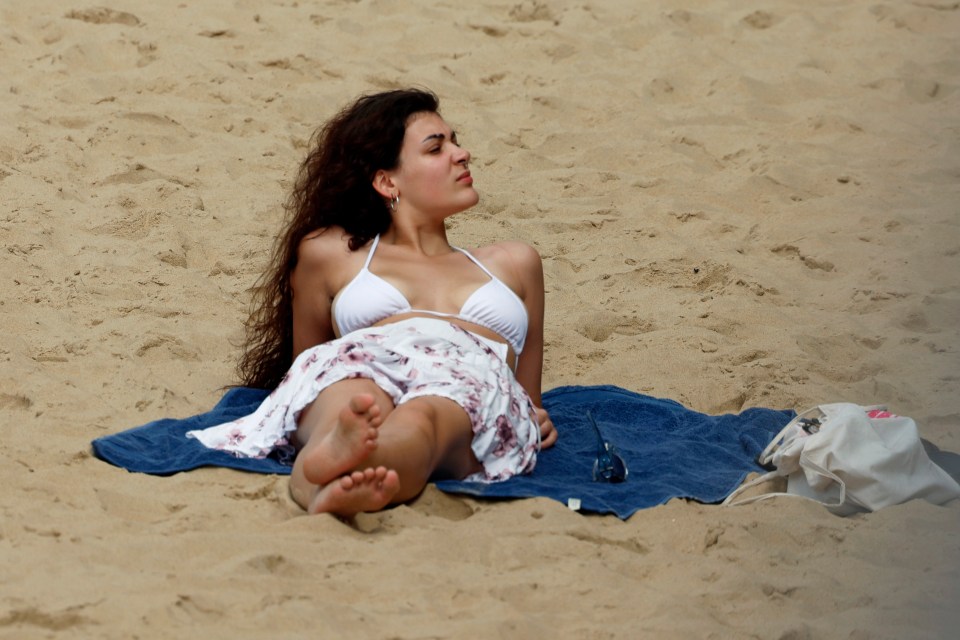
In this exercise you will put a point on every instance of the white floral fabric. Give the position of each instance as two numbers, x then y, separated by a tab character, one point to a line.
409	359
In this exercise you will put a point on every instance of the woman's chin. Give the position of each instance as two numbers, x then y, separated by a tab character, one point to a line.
473	199
463	204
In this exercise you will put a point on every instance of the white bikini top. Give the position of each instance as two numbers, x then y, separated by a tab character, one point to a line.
368	298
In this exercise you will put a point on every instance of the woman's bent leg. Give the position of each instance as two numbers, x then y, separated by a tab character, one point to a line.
422	438
337	433
417	440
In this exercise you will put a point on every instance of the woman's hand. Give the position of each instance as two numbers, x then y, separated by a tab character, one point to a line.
548	432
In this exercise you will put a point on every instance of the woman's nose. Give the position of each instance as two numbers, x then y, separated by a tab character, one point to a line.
462	156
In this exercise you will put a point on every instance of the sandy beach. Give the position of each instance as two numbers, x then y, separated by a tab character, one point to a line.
737	204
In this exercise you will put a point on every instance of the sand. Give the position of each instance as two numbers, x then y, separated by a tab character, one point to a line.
737	205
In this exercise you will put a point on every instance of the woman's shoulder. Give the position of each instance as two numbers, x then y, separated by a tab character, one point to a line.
513	254
323	246
325	260
516	263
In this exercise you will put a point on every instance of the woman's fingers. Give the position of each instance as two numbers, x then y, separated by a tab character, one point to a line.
548	432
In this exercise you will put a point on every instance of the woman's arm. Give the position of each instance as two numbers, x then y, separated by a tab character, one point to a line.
312	297
528	271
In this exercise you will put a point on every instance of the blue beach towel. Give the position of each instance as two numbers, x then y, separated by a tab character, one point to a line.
162	448
671	451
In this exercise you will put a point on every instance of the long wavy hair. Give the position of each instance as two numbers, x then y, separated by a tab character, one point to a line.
334	187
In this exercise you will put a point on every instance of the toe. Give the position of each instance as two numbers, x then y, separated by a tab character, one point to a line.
362	403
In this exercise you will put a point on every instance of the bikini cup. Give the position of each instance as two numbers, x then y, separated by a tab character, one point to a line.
368	298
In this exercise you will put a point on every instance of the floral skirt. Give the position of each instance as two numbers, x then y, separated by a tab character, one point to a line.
409	359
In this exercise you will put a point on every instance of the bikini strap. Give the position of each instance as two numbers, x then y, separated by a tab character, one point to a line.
373	248
476	262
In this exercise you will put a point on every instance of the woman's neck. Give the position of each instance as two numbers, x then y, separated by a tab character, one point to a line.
426	239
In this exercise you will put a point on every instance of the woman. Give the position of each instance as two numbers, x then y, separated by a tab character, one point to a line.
396	357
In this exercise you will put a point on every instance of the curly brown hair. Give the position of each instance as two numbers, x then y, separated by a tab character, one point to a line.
334	187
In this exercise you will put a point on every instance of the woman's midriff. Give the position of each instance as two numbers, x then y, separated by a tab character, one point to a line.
474	328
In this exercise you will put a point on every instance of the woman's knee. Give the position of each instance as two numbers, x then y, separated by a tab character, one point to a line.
444	430
412	421
337	394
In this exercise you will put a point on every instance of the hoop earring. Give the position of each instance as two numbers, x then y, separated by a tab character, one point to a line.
394	201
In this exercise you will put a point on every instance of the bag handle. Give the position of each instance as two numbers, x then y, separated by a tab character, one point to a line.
776	442
729	501
760	480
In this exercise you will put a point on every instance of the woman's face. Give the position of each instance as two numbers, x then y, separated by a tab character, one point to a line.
432	176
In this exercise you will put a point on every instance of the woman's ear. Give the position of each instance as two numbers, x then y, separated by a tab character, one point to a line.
384	185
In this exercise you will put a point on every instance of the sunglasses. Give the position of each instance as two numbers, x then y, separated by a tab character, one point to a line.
609	466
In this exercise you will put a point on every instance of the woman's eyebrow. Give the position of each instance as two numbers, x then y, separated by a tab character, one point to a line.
440	136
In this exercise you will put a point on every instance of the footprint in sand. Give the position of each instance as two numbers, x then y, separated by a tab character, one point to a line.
531	11
687	216
51	621
789	250
275	564
840	358
493	79
103	15
433	502
193	609
598	326
134	175
698	23
696	151
661	89
15	401
760	20
493	32
170	345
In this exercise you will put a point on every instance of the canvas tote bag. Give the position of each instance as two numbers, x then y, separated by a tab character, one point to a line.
852	459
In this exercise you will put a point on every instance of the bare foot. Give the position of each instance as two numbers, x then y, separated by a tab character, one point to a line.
347	445
360	491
